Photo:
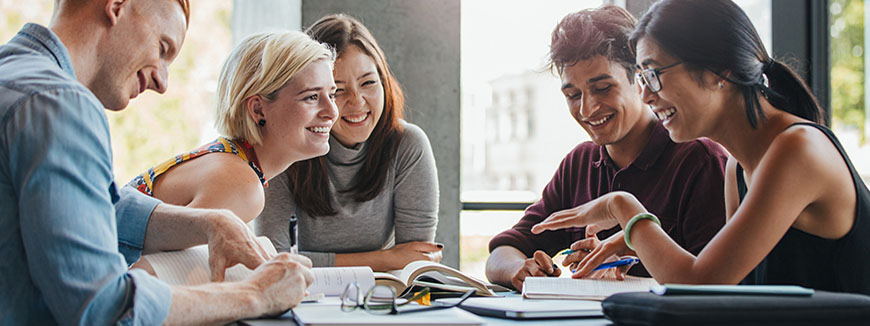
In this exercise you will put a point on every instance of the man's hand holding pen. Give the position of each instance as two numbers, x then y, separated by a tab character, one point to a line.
589	257
539	265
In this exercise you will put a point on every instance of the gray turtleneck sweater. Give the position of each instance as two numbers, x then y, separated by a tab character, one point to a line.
406	209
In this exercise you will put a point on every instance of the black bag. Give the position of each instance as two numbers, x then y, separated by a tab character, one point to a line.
821	308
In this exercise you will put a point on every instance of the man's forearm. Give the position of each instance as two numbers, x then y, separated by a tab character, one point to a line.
275	286
212	304
503	263
174	227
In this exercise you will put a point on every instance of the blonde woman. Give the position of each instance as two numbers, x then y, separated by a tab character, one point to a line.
274	107
373	199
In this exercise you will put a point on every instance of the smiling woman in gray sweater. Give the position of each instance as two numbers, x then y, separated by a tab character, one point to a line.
373	199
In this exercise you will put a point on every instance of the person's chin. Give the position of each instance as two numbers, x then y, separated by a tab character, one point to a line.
602	137
357	137
677	135
116	105
323	150
602	141
361	134
317	151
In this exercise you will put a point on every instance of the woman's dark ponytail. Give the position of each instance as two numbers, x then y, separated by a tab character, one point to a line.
791	94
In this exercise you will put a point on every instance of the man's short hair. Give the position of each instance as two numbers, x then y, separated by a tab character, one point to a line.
592	32
185	6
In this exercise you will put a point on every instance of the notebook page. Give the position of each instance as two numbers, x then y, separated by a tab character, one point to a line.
569	288
190	266
331	281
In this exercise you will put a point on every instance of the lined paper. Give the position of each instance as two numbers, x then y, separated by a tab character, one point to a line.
190	266
331	281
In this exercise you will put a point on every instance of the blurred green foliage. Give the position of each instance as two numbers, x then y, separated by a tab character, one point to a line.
847	64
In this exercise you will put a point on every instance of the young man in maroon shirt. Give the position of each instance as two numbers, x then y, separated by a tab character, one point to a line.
630	150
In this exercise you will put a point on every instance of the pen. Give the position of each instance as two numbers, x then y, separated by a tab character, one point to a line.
571	251
621	262
294	234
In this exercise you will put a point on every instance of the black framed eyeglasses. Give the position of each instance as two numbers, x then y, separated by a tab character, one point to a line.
381	300
650	77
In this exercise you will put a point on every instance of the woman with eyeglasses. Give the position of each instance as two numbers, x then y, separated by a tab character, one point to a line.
797	211
373	199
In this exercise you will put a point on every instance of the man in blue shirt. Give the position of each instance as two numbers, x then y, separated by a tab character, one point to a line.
67	236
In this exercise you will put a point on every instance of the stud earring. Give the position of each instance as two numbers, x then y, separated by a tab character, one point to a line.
262	122
721	84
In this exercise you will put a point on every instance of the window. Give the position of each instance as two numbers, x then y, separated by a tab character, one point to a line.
850	121
759	12
511	144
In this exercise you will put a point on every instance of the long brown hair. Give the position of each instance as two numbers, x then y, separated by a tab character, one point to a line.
309	182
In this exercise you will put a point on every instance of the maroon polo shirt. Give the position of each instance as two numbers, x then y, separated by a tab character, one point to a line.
682	184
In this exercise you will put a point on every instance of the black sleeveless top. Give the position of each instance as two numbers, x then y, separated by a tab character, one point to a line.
800	258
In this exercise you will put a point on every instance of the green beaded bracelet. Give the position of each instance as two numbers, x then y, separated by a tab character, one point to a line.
633	220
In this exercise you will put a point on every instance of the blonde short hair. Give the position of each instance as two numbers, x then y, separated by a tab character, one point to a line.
261	65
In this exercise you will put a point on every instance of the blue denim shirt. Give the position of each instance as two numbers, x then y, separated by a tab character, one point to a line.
66	234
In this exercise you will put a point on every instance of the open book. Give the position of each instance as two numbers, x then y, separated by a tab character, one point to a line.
586	289
438	277
331	281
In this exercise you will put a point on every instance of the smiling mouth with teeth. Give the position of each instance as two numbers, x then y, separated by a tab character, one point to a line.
666	113
319	130
356	119
599	121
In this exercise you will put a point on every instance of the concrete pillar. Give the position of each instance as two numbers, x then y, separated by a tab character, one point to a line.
421	41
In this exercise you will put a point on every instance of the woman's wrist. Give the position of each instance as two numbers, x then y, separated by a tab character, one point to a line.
378	260
382	260
634	220
623	206
616	244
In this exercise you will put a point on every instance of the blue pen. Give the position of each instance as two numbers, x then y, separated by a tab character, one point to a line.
621	262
